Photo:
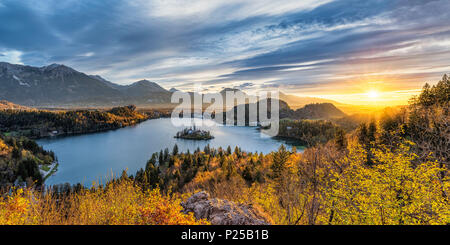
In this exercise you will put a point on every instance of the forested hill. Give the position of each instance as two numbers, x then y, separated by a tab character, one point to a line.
41	123
22	160
315	111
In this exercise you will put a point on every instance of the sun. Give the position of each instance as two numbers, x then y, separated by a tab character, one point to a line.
373	94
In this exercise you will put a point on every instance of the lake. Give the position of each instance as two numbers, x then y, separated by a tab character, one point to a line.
96	157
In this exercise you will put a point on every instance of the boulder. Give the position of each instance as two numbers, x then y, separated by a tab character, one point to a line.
222	212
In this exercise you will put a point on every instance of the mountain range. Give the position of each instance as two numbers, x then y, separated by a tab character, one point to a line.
58	85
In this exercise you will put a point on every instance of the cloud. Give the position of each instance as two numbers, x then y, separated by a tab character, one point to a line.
244	86
301	46
11	56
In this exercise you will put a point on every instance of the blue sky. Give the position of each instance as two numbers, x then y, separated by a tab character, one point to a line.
333	49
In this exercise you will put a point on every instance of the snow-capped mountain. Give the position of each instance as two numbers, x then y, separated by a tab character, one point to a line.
59	85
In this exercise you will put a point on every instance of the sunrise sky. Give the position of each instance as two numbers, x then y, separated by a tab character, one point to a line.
357	52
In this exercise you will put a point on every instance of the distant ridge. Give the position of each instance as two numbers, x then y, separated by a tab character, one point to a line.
8	105
298	102
315	111
318	111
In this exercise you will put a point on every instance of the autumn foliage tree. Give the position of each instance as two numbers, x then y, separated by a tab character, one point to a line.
120	202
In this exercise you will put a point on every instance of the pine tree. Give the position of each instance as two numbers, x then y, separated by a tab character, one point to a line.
228	150
207	149
371	132
362	134
280	158
161	158
341	140
237	151
175	150
166	154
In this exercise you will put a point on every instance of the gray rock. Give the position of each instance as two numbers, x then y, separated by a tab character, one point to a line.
222	212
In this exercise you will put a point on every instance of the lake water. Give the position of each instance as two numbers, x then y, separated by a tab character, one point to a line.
96	157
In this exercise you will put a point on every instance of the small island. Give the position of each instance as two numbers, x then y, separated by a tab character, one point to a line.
194	134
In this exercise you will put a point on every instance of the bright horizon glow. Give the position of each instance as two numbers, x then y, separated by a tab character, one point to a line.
373	94
371	98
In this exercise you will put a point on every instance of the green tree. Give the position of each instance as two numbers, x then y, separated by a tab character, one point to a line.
280	158
228	150
341	140
175	150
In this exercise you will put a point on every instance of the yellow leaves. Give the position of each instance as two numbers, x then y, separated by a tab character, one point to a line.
117	204
160	210
291	163
4	148
265	197
319	186
202	178
392	191
14	209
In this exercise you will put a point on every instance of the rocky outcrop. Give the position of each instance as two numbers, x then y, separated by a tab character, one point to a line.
222	212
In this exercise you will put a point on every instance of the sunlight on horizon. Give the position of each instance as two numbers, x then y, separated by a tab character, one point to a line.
373	94
366	90
377	98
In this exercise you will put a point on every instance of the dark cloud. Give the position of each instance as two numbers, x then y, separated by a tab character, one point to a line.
23	29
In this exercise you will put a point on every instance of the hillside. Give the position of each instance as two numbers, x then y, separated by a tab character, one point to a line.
41	123
317	111
141	92
311	111
296	102
22	160
4	105
284	111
